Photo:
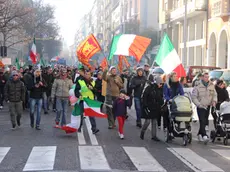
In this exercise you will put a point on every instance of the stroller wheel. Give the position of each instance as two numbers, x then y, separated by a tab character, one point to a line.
213	135
185	140
225	140
190	138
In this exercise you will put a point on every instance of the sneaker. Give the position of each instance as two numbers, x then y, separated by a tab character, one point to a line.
1	107
200	138
95	131
46	113
57	123
122	136
155	139
205	138
38	128
13	127
119	134
32	125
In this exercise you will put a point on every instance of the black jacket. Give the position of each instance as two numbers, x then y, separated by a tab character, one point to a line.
151	102
14	91
37	93
138	83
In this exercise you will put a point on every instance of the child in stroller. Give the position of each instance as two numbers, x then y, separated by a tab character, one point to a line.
222	126
180	112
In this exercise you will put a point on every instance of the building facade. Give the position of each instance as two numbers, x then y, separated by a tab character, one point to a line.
218	33
171	18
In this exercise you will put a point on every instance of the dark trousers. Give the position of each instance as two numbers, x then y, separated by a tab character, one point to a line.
203	115
111	118
1	96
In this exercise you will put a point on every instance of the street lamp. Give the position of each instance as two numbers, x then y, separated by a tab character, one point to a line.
184	57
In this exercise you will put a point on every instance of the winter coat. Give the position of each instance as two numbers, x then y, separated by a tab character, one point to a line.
49	79
98	90
61	87
169	93
2	82
222	95
203	96
120	107
137	84
14	91
151	102
114	84
37	93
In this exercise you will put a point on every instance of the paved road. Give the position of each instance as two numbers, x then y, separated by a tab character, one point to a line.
50	149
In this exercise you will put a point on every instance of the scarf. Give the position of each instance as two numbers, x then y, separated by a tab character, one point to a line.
205	83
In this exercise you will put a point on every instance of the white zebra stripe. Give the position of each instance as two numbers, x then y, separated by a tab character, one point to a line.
3	152
223	152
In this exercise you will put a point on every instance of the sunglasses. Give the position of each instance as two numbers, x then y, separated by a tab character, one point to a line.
15	75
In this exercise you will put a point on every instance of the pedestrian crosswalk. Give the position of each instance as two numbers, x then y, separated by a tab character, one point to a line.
42	158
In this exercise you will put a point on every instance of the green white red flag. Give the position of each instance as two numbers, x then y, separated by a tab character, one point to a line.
92	108
168	59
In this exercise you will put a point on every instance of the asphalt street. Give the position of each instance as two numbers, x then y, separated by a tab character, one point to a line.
50	149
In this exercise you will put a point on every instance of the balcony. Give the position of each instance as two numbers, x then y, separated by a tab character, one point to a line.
220	8
195	7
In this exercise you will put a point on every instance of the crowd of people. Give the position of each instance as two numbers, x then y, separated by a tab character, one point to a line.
48	89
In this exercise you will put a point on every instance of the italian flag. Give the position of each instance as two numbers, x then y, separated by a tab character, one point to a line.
129	45
168	59
33	53
92	108
75	121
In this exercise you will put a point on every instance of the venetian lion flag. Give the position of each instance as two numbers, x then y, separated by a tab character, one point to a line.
129	45
87	49
33	53
168	59
92	108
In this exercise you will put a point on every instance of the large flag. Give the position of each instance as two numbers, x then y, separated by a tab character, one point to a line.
87	49
129	45
168	59
93	108
33	53
75	120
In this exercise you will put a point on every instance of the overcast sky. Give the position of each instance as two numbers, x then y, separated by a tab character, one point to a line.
68	14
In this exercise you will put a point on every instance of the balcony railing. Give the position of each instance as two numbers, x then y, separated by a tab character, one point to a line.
193	6
220	8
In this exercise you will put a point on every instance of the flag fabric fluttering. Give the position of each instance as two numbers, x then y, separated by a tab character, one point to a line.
129	45
1	64
121	64
42	62
92	108
17	63
104	63
33	53
87	49
168	59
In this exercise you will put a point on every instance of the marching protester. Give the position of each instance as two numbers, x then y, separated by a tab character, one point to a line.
36	96
120	111
60	90
151	103
114	84
137	84
171	89
2	85
14	92
204	96
85	88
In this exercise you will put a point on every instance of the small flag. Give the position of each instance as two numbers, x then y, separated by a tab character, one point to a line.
17	63
93	108
87	49
168	59
104	63
33	53
129	45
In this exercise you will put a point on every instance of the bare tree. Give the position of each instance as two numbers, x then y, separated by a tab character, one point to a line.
12	16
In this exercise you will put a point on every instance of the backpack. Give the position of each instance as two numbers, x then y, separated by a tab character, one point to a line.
181	104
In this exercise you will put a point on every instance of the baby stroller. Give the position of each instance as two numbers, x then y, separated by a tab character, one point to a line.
222	127
180	116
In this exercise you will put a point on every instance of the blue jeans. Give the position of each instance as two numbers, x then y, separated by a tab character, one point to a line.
61	106
33	103
137	102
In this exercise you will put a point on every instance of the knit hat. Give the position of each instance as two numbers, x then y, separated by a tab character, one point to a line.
158	80
112	67
14	72
139	68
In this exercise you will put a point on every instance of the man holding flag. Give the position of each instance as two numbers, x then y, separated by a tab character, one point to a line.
85	89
